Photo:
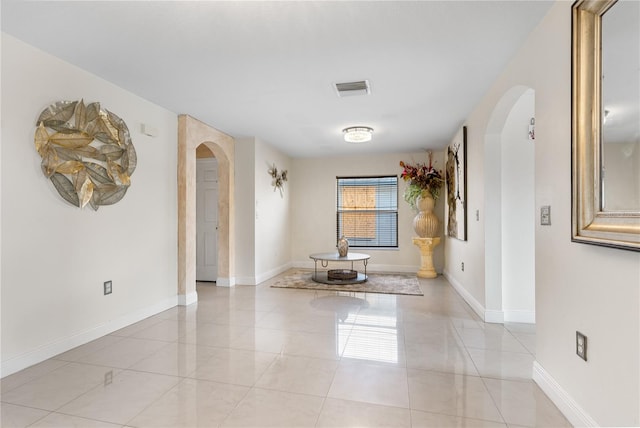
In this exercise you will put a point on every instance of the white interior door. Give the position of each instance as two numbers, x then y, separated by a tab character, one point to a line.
206	219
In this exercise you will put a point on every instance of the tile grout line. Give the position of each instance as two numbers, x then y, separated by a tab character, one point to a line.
484	384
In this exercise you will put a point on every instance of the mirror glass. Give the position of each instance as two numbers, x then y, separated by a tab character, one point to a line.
620	149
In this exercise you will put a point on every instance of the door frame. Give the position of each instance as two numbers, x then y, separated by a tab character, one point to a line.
192	133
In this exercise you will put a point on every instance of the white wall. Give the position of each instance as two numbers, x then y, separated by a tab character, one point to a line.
622	176
313	224
263	235
273	214
492	222
578	287
470	282
518	213
55	257
245	210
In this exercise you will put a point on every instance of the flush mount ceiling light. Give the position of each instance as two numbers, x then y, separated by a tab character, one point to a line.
357	134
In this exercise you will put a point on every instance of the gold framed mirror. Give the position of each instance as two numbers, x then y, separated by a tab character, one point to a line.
596	220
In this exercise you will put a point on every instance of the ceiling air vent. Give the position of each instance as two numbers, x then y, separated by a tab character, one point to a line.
348	89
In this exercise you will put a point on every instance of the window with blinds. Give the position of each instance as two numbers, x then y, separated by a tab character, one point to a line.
367	211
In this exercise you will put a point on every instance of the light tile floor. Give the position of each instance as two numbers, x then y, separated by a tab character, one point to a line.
261	356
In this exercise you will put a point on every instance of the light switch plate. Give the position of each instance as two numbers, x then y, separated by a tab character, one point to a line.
107	287
545	215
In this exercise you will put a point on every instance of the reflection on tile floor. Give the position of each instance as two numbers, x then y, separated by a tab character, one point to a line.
259	356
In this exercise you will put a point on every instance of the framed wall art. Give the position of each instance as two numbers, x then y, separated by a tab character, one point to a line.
605	207
86	151
456	179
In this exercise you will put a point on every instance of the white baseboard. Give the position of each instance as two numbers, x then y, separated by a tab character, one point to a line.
302	265
490	315
225	282
257	279
567	405
187	299
475	305
44	352
271	273
494	317
527	317
245	280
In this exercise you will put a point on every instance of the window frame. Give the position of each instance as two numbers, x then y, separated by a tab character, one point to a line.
393	211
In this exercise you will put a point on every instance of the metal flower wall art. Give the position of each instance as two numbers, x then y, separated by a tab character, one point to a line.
86	152
278	179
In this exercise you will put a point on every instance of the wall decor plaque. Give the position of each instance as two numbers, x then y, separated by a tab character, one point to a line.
456	222
86	151
279	178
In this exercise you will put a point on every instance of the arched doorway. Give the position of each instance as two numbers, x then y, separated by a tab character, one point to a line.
191	134
510	209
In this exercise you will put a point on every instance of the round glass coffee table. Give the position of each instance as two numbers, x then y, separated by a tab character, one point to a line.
339	276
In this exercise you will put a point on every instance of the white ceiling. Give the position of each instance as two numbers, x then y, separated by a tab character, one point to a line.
267	69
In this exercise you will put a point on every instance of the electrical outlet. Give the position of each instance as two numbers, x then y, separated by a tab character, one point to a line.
477	215
107	287
581	345
462	266
108	377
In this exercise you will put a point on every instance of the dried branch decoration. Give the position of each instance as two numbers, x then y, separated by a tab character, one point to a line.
89	156
278	179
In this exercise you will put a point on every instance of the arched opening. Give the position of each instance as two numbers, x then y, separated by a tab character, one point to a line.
510	209
191	134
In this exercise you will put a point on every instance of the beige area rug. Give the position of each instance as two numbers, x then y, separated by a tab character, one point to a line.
377	283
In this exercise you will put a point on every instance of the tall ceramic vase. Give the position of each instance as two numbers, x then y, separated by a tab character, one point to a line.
425	222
